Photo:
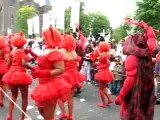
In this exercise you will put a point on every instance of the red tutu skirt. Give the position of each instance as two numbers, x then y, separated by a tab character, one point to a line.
3	67
17	78
74	78
49	91
104	76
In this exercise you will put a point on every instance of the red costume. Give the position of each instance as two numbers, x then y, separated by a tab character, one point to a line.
17	71
17	77
137	96
50	87
4	51
103	74
71	74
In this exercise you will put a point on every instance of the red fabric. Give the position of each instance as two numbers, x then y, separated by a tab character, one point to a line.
69	43
104	74
71	73
3	66
104	47
82	40
151	39
50	88
41	73
17	71
52	37
2	42
18	40
28	50
94	55
118	100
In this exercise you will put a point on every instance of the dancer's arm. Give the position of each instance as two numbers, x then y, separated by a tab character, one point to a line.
131	65
28	50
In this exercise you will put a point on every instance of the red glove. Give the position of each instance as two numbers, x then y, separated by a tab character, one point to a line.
143	24
28	50
41	73
118	100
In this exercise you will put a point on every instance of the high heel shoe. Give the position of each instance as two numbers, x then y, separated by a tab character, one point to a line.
109	102
1	104
63	116
102	105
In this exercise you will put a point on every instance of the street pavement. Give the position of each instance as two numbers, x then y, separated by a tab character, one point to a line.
85	107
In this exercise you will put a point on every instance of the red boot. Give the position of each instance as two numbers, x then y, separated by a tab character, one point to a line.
9	117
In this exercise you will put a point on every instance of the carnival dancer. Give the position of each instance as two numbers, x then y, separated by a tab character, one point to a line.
16	77
4	52
71	73
51	86
137	94
104	75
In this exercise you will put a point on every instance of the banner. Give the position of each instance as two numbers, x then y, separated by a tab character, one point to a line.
36	27
30	26
59	11
75	10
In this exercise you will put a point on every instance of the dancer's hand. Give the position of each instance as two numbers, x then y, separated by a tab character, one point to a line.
143	24
118	100
27	50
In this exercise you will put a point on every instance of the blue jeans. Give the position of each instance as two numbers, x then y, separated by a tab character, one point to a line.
111	87
117	84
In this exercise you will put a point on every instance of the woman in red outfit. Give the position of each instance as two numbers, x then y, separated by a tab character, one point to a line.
4	51
103	76
16	77
137	94
51	85
71	73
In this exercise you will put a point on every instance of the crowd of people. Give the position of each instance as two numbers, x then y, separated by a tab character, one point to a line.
64	64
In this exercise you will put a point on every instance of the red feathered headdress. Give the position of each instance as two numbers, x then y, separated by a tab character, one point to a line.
3	43
69	43
18	40
104	47
52	37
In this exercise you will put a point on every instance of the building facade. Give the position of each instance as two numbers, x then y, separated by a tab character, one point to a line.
8	10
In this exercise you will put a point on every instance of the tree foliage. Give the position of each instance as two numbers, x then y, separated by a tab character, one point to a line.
67	19
148	11
98	22
120	32
24	13
89	22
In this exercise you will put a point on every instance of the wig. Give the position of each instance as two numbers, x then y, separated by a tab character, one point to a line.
52	38
104	47
18	40
69	43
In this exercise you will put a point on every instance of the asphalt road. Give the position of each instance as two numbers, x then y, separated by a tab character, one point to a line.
84	108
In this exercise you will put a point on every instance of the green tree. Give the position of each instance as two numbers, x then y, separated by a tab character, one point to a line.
67	19
89	22
120	32
148	11
24	13
98	22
